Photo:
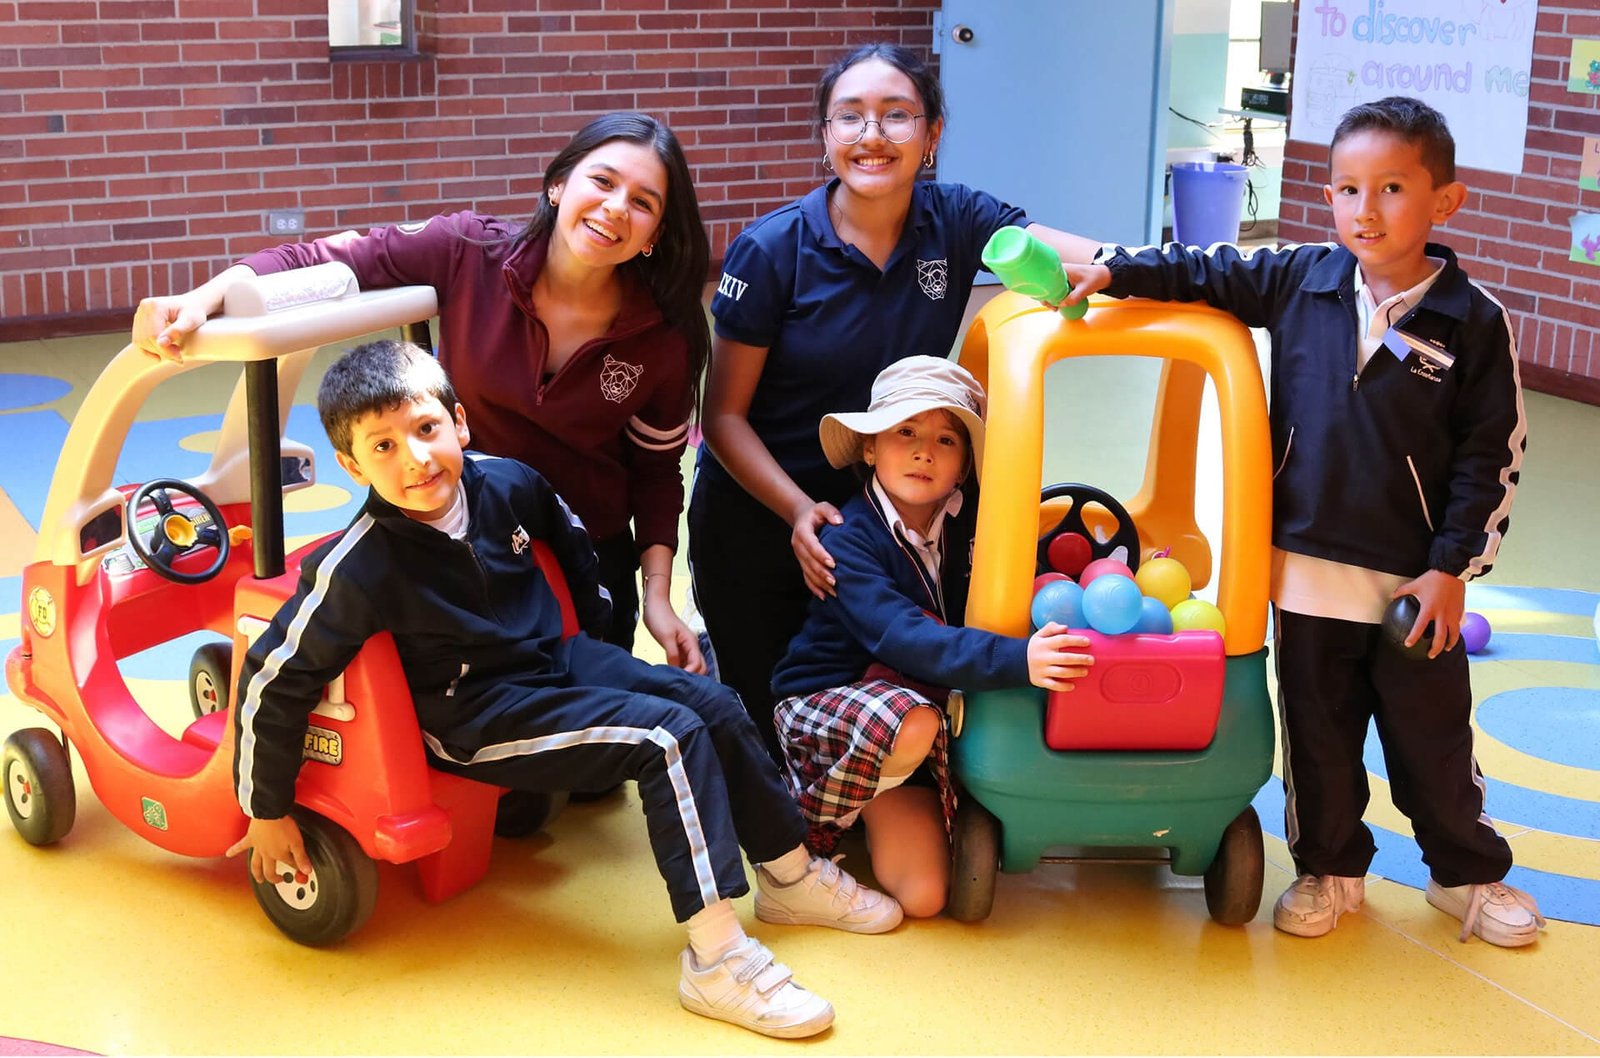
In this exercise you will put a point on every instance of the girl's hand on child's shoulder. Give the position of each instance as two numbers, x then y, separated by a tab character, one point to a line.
1052	662
816	565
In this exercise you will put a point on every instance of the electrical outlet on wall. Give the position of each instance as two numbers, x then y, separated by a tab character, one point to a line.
286	222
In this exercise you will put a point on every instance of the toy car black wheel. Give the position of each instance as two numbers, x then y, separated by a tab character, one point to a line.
39	791
210	676
174	533
1233	881
975	862
524	812
1126	534
334	900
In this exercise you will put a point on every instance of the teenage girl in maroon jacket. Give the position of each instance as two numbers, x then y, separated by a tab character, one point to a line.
577	343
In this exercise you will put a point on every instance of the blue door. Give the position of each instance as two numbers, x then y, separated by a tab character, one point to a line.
1060	107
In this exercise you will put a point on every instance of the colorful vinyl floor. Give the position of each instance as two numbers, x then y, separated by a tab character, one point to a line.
114	946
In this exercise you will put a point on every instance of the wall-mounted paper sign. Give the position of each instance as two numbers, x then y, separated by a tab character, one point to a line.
1586	238
1589	164
1584	73
1469	59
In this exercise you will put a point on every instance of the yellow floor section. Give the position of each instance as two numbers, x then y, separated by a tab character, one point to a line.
568	946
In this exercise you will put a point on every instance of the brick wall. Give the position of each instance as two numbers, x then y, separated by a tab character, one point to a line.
143	141
1514	233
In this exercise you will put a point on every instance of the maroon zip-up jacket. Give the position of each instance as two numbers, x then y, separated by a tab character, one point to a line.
608	430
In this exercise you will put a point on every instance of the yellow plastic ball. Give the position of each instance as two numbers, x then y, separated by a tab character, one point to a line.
1165	579
1194	615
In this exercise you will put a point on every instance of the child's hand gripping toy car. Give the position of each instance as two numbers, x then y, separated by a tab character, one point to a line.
121	569
1167	740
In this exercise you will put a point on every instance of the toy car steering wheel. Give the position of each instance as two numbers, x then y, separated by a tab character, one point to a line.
1125	536
174	534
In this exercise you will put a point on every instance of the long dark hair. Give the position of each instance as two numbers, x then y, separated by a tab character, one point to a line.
675	272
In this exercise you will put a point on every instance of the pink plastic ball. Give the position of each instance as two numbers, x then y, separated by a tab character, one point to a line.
1100	567
1045	578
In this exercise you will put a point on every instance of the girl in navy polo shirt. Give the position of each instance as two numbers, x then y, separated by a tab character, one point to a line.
576	341
815	299
862	685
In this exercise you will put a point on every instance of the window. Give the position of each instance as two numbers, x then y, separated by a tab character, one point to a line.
369	26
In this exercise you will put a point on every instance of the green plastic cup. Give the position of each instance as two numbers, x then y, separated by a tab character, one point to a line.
1030	267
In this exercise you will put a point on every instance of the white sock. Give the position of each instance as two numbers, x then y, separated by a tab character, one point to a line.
889	782
790	867
714	931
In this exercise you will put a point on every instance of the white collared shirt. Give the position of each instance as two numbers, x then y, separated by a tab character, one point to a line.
1374	320
926	547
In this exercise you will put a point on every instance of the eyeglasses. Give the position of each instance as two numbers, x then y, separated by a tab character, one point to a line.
897	126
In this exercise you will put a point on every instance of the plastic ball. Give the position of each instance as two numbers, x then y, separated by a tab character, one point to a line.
1112	604
1060	601
1153	617
1398	618
1197	615
1166	579
1100	567
1475	632
1069	553
1045	578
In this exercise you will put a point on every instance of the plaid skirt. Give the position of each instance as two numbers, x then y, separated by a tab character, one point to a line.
834	744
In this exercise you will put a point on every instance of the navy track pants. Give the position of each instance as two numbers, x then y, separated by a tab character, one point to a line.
1333	677
707	783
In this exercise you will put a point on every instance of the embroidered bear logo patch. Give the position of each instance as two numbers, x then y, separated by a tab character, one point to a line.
618	378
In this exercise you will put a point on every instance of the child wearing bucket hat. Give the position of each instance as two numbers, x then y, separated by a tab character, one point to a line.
863	686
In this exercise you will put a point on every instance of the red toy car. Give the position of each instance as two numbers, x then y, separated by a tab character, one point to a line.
121	569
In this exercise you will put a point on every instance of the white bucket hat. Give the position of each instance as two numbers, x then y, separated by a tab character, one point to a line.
903	389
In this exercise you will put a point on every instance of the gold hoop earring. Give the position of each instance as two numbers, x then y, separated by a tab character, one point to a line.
827	163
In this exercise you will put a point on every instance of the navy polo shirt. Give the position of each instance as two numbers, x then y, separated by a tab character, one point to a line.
830	320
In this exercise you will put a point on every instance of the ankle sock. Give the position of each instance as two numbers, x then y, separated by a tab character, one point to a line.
889	782
714	931
790	867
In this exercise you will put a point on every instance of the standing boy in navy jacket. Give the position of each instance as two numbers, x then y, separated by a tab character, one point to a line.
439	557
1398	432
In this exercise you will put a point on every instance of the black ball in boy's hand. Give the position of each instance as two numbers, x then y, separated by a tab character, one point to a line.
1398	618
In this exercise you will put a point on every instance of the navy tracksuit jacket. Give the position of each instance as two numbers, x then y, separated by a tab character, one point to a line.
500	696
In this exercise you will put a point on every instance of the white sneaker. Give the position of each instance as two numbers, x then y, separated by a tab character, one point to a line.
1496	912
1312	905
748	988
826	896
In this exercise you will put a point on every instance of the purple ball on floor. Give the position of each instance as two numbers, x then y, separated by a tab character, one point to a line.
1475	632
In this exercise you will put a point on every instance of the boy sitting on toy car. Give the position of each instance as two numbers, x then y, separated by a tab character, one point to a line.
439	556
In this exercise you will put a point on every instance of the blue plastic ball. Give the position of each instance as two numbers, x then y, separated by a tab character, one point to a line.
1154	617
1112	604
1060	601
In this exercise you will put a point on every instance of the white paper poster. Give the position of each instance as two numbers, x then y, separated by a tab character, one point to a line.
1468	59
